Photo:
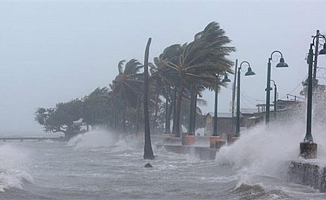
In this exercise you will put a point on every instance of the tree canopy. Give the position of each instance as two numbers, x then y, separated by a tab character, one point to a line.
176	79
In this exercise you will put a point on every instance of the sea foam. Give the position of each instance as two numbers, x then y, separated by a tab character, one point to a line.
264	150
14	162
92	139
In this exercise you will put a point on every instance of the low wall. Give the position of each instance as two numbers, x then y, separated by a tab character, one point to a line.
308	173
178	140
204	153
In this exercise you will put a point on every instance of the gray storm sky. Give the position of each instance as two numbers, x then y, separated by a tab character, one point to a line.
55	51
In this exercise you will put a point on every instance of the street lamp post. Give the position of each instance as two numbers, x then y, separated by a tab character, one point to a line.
308	136
323	51
248	73
233	94
268	91
308	149
275	99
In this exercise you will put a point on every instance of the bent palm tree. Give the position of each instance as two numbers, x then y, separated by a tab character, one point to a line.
199	63
127	86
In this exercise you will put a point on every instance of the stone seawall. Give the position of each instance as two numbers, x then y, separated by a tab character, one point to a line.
308	173
203	153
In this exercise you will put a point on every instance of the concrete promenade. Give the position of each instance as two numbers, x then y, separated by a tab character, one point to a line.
201	149
202	152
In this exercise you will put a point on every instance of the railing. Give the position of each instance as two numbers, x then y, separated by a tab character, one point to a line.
32	138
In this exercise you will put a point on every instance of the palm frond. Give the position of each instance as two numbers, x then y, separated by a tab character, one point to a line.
120	66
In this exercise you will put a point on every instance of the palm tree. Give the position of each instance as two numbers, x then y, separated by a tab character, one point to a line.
199	63
166	77
127	85
148	151
161	85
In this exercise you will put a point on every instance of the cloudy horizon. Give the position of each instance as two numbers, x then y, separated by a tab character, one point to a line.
56	51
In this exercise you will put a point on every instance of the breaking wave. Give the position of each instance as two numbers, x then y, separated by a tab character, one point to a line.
92	139
13	167
261	156
100	139
264	152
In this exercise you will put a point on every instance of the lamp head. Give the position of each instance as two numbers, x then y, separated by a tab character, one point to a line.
249	72
226	79
282	63
323	51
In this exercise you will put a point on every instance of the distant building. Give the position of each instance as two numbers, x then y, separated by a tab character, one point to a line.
284	109
251	116
226	123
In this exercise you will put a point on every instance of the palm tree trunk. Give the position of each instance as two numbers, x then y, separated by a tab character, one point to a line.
148	151
124	116
191	111
115	115
174	109
137	114
156	109
167	114
195	113
115	119
178	110
170	114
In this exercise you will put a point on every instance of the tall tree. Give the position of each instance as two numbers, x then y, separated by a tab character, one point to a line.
127	85
200	61
97	107
61	118
166	75
148	151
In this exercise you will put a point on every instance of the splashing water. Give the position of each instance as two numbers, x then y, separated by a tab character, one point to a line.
92	139
267	151
13	166
261	156
261	151
100	139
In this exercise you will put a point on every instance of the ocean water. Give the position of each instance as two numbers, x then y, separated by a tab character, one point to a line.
99	165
